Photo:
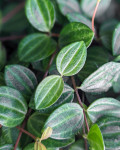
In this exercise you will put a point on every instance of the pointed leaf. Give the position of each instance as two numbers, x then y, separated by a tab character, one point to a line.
75	32
20	78
102	79
41	14
71	59
102	107
13	107
36	47
47	133
65	121
95	138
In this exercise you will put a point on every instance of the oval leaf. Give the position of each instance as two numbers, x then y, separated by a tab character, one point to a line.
116	41
20	78
48	91
68	115
41	14
13	107
102	79
95	138
75	32
102	107
71	59
36	47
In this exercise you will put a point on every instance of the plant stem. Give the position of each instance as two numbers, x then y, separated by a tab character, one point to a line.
93	18
13	12
26	132
0	126
85	140
55	35
80	102
13	37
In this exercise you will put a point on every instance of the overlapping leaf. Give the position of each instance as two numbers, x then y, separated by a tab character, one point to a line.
75	32
36	47
13	107
71	58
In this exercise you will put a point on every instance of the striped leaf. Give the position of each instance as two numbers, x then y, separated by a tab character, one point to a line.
65	121
103	107
96	57
41	14
79	145
77	17
8	147
95	138
68	6
102	79
106	32
48	91
110	128
116	41
75	32
36	47
71	59
2	82
20	78
2	56
13	107
88	7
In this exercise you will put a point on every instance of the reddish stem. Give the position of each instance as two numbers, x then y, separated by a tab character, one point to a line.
13	12
13	37
55	35
0	126
94	14
26	132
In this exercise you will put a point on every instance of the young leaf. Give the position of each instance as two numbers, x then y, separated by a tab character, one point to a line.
67	6
110	128
36	47
102	79
95	138
20	78
71	58
116	41
41	14
65	121
102	107
13	107
39	146
47	133
2	56
75	32
48	91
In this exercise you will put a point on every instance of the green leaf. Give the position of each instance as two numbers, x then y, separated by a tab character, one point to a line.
36	47
116	41
75	32
20	78
2	56
95	138
88	7
102	79
77	17
67	6
2	82
96	57
68	115
71	59
110	128
8	147
48	91
103	107
41	14
79	145
13	107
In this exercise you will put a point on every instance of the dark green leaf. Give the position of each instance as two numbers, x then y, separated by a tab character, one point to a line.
36	47
2	82
75	32
65	121
2	56
48	91
95	138
41	14
13	107
71	59
20	78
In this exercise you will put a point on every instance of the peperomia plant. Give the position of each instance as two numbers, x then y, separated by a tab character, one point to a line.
59	75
